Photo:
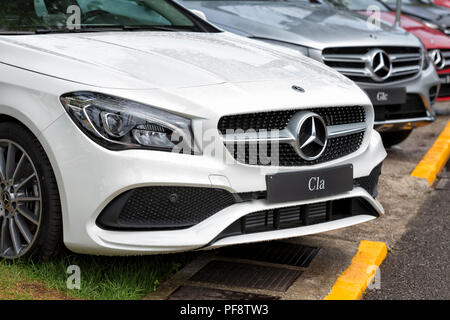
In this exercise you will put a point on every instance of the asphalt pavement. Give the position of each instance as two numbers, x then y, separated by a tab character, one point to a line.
418	267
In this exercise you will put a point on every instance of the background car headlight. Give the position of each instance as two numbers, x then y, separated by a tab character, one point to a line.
430	24
425	56
119	124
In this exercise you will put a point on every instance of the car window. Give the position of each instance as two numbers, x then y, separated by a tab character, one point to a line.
31	15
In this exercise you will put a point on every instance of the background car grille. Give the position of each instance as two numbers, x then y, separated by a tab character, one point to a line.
444	75
445	89
446	55
277	120
286	155
353	63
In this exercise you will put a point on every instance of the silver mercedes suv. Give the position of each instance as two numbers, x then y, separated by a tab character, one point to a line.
390	64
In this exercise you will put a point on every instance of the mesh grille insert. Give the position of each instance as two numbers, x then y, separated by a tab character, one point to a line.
277	120
164	207
287	156
174	206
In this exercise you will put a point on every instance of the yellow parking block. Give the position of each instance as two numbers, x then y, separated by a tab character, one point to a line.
352	283
435	159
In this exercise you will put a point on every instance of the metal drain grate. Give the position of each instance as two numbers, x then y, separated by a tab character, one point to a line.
199	293
246	275
274	252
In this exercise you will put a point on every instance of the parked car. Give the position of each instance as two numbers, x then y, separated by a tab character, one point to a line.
436	42
120	136
432	15
442	3
391	65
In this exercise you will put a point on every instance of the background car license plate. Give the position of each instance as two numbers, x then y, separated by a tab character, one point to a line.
298	186
387	96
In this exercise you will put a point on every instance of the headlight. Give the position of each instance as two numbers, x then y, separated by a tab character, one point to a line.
119	124
430	24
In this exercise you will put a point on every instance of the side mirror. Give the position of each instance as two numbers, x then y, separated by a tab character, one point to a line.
199	13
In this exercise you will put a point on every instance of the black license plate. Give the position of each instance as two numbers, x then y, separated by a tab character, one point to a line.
298	186
387	96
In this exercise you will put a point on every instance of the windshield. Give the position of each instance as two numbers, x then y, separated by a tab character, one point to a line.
358	5
77	15
424	3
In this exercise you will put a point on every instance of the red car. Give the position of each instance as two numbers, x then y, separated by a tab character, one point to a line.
443	3
437	43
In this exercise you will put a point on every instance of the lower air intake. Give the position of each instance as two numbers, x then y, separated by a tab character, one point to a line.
298	216
164	208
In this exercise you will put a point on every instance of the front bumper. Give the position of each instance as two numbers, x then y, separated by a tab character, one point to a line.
90	177
421	91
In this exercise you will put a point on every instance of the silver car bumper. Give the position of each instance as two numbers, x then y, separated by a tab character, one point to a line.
420	86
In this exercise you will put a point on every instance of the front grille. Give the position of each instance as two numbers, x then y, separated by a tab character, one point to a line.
445	91
445	84
286	156
164	207
298	216
354	62
413	108
277	120
446	55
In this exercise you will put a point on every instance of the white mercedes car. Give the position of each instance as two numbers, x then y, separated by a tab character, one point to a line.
135	127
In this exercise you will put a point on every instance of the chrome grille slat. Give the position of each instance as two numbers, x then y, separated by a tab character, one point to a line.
353	72
405	57
446	55
345	57
405	70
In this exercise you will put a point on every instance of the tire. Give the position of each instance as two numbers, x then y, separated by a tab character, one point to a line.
30	207
395	137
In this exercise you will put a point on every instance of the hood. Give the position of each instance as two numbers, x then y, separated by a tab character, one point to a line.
314	26
148	60
432	38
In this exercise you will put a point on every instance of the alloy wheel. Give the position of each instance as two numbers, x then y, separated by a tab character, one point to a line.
20	201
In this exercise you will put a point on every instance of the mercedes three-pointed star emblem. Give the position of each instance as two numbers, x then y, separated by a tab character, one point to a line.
380	65
438	59
312	136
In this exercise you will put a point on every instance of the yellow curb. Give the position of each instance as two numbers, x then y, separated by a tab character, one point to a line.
352	283
435	159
